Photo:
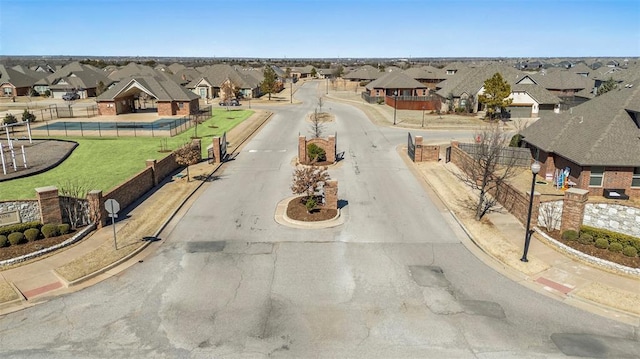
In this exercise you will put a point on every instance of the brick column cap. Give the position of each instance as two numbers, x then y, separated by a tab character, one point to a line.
95	192
578	191
46	189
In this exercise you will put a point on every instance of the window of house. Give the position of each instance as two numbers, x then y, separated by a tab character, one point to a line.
180	104
597	174
635	180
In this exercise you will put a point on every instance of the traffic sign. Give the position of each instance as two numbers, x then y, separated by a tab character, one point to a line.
112	206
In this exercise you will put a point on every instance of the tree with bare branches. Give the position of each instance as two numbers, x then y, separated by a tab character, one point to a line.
307	180
486	169
73	201
317	124
187	155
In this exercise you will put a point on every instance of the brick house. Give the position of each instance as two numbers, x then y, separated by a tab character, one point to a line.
14	83
170	98
599	141
400	91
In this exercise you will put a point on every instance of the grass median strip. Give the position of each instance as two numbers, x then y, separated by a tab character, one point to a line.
104	162
7	293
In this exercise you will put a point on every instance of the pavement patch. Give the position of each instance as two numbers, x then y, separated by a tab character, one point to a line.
206	247
595	346
428	276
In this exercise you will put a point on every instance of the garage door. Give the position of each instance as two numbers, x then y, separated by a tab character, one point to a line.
520	111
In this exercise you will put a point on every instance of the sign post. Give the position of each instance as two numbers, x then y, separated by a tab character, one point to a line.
113	207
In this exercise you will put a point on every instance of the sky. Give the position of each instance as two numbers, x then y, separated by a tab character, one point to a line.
321	29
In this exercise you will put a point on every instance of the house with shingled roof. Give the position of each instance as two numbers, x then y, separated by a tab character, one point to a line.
75	77
246	84
14	83
400	91
169	97
598	141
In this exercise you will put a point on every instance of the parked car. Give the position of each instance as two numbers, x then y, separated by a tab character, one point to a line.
70	96
232	102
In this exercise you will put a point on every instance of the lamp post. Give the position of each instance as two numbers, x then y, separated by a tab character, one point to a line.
327	85
535	168
395	105
423	116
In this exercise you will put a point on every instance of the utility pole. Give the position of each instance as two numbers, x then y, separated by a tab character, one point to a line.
291	95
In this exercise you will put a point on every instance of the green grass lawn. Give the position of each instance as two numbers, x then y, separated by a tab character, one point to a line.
104	162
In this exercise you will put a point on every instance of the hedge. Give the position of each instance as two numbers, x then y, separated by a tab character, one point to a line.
16	238
612	237
20	227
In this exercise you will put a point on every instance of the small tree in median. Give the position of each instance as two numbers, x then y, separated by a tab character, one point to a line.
486	169
317	125
307	180
187	155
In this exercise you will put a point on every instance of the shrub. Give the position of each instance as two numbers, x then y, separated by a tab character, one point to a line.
601	243
47	93
570	235
4	241
49	230
587	239
310	204
630	251
316	153
9	119
28	116
16	238
32	234
21	227
615	247
516	140
64	228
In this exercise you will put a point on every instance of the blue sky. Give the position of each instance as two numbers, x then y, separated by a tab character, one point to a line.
314	28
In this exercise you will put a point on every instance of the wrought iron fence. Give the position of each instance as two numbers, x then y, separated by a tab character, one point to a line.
516	156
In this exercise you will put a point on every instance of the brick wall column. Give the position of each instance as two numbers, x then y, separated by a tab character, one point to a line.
331	151
216	150
49	201
302	149
331	194
573	209
152	164
431	153
417	156
97	212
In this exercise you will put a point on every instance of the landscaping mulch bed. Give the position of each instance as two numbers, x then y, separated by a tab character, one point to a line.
41	155
30	247
619	258
297	210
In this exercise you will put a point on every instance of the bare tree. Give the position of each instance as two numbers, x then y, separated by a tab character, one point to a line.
486	169
307	179
550	215
317	124
187	155
227	92
320	103
73	201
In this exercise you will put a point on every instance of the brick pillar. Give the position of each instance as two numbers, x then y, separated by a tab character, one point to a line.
49	201
417	156
302	149
216	150
152	164
97	212
331	151
331	194
573	208
454	143
431	153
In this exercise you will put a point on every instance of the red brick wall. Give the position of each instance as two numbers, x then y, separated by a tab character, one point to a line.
165	167
412	105
430	153
132	189
165	109
573	209
50	210
107	108
328	145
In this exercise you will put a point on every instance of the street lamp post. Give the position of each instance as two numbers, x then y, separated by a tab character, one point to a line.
395	105
423	116
327	85
535	168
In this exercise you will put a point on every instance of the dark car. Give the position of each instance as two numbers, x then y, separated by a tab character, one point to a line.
70	96
232	102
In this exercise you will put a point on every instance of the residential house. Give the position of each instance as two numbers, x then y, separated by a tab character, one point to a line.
426	75
400	91
14	83
572	88
598	141
301	72
365	73
246	84
169	97
74	77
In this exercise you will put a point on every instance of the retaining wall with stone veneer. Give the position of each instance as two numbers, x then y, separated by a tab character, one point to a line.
614	217
29	210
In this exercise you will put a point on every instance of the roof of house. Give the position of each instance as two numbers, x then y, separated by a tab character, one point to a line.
76	75
160	86
366	72
557	79
539	93
395	80
425	73
216	75
471	80
599	132
14	77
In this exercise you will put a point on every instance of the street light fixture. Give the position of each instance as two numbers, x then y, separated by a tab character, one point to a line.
423	108
535	168
395	105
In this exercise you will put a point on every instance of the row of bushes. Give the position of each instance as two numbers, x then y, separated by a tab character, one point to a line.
605	239
32	233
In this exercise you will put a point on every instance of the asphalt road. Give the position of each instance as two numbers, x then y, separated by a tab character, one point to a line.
394	281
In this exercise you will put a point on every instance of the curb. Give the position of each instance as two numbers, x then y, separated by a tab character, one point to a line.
286	220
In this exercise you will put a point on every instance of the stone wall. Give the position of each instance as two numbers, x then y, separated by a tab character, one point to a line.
614	217
29	210
550	215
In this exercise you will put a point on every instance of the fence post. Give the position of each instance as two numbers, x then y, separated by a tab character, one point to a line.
65	128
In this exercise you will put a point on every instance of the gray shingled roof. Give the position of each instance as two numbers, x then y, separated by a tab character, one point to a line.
366	72
395	80
539	93
600	132
425	73
471	80
76	75
562	80
216	75
16	78
160	86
